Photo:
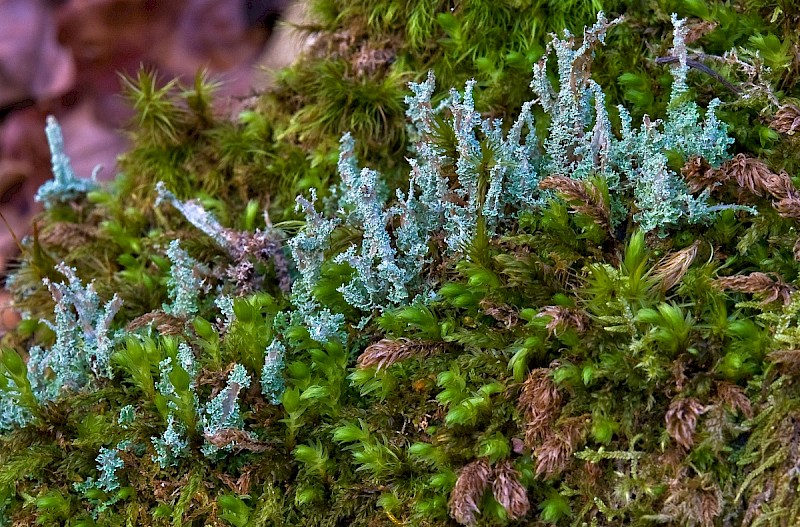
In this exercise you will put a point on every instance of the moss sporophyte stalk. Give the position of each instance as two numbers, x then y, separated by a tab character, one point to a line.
371	301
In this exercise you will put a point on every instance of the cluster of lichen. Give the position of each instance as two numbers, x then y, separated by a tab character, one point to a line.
521	313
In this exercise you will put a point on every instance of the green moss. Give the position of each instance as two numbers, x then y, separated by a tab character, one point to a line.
606	371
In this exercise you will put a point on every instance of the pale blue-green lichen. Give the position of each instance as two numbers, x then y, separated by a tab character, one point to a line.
65	185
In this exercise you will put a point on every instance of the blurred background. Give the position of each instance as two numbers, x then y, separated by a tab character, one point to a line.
65	57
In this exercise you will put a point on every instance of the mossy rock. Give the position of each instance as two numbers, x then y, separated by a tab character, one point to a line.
545	361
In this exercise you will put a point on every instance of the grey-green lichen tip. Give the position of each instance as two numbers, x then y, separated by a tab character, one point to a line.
65	185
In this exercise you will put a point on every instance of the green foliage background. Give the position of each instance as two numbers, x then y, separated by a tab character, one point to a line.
362	446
